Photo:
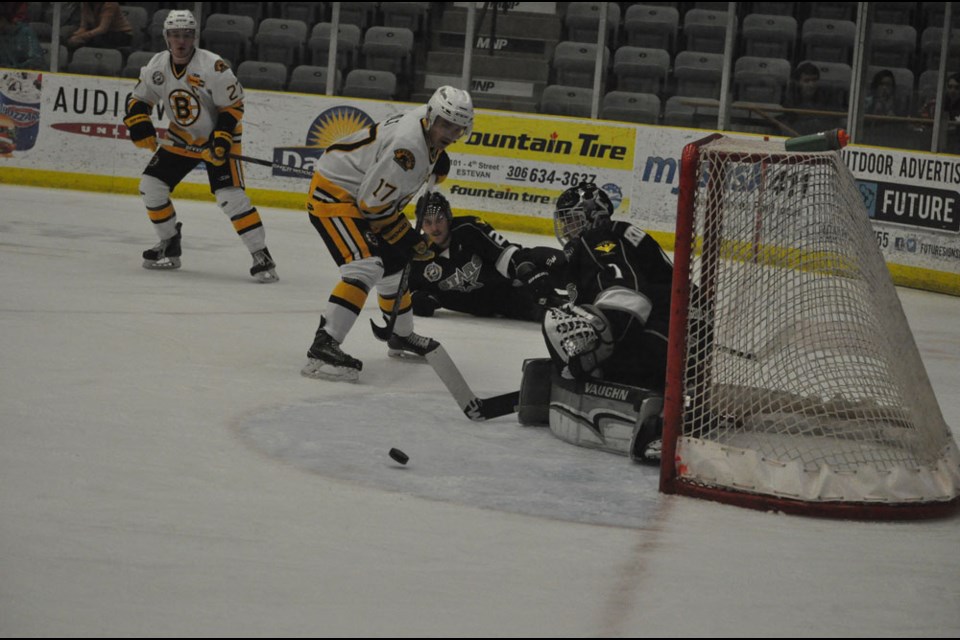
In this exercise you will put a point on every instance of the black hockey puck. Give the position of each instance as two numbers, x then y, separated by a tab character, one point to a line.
399	456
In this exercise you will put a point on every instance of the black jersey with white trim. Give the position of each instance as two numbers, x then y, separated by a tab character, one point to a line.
624	272
471	274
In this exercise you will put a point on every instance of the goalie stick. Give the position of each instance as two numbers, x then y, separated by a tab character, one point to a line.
477	409
192	148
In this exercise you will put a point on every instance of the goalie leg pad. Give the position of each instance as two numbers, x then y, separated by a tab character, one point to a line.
534	409
600	415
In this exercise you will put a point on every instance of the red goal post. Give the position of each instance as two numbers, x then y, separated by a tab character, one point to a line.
793	382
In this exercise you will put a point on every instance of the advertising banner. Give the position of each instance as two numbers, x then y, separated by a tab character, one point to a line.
63	130
914	202
519	164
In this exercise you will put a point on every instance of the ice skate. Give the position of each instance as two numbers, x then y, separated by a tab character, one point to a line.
264	269
165	255
647	441
326	361
411	347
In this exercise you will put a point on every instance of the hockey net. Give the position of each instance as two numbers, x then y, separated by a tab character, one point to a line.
794	382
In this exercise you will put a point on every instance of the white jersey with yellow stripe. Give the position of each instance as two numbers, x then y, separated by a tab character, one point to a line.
378	170
192	96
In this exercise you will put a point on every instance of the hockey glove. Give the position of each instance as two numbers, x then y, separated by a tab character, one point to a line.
422	252
141	130
397	231
442	167
217	149
539	283
424	304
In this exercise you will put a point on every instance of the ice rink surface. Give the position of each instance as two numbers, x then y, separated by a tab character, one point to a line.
166	471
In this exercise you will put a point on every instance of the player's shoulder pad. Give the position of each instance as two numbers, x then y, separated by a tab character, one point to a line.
212	63
483	230
466	221
600	242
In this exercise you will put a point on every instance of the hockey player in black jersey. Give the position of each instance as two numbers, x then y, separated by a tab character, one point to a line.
615	327
477	271
603	384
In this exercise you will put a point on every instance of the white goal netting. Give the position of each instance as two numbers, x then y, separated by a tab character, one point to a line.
801	379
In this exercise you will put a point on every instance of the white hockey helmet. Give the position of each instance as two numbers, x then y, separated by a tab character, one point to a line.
453	105
179	19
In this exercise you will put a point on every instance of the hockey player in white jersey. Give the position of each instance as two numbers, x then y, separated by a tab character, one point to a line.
361	186
204	101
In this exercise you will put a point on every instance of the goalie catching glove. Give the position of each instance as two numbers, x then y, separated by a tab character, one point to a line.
218	148
579	336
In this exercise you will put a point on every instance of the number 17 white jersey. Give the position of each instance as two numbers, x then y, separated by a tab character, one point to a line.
378	169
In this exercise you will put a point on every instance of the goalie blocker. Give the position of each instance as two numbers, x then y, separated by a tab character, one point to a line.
592	413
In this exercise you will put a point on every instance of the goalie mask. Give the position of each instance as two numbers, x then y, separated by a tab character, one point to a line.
453	105
580	208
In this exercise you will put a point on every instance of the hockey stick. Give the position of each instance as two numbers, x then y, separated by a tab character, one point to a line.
477	409
802	334
192	148
383	333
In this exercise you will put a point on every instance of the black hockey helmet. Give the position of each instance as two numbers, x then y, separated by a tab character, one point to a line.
579	208
437	206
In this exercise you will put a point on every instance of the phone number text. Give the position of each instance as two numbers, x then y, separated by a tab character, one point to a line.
548	176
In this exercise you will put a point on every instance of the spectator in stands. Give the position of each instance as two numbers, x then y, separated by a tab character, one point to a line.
19	46
951	101
102	24
69	19
882	100
16	11
951	113
880	103
805	93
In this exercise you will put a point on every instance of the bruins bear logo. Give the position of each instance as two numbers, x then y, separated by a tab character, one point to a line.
405	159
